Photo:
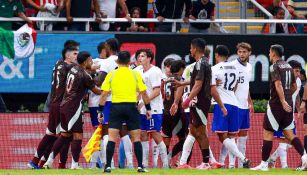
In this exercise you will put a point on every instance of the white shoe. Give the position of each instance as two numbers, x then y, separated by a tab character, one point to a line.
76	166
47	166
262	167
304	161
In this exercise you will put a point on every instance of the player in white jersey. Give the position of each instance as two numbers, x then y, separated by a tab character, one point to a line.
245	103
227	126
152	77
283	146
107	65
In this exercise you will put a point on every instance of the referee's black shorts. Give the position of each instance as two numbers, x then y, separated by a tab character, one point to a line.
124	113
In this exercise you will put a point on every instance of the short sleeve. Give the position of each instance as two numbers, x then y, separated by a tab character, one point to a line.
275	74
20	7
213	77
200	68
156	78
140	83
104	66
106	83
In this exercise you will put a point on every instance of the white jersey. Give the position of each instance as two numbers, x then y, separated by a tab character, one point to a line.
227	73
93	99
294	95
108	65
152	78
108	7
187	76
242	91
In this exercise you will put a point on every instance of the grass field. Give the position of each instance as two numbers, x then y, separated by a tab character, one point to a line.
154	172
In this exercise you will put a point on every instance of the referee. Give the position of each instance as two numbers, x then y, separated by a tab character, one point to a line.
124	84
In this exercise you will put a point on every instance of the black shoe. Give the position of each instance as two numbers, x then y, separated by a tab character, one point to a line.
247	163
142	170
107	170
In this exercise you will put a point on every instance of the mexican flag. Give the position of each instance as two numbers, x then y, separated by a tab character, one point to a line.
17	44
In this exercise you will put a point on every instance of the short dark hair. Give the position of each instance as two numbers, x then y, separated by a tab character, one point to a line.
83	56
72	43
177	65
123	57
244	45
276	10
68	49
207	52
114	44
149	53
101	46
168	62
199	44
222	50
278	49
137	53
135	8
295	64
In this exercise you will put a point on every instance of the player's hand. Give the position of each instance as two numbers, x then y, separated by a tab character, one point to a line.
100	117
148	114
177	83
219	82
286	106
224	111
140	105
301	110
173	109
69	19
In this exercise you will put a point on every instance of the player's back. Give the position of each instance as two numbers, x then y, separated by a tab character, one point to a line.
283	72
168	90
226	75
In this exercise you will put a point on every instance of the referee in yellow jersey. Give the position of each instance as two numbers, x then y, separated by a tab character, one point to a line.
124	84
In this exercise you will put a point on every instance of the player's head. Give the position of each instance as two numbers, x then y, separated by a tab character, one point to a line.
279	13
123	58
70	54
146	56
167	66
296	66
71	43
177	67
303	75
197	46
221	53
136	56
112	46
276	52
244	50
85	60
101	49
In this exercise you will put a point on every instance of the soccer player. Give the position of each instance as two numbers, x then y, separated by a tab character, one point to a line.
279	116
124	84
283	146
227	126
245	103
59	74
152	77
173	124
78	81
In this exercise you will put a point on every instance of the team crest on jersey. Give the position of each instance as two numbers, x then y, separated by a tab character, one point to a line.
23	39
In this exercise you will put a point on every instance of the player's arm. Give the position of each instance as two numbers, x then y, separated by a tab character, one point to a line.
304	100
178	96
96	90
155	93
250	103
293	87
217	98
181	83
100	78
280	93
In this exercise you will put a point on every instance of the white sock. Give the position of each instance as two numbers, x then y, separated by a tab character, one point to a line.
231	145
101	152
104	152
212	158
274	156
95	156
282	151
241	142
223	154
155	154
186	150
50	160
145	146
163	154
232	160
128	149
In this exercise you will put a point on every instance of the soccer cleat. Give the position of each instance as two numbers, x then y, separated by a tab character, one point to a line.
203	166
216	165
32	165
271	163
304	161
47	166
184	166
262	167
247	163
130	166
142	170
76	167
107	170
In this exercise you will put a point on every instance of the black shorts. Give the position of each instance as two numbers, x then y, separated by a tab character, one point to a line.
198	116
277	119
174	125
124	113
305	118
71	120
54	119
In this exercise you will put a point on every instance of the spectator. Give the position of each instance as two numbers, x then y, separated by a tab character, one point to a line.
142	4
298	9
136	27
108	9
80	9
201	9
40	5
8	9
279	13
171	9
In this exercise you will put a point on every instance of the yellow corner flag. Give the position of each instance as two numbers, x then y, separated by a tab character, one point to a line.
93	144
